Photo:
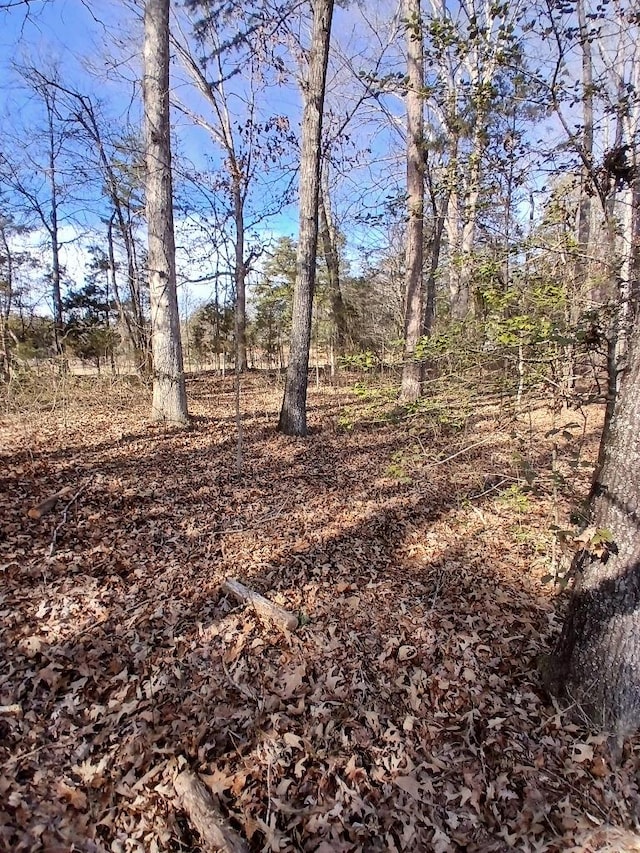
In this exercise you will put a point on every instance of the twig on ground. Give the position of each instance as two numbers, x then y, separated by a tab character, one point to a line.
464	450
63	520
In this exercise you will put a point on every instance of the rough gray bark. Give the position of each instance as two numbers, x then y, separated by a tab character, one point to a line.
596	662
412	371
169	393
293	414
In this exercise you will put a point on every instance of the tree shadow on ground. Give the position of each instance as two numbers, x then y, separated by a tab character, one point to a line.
403	714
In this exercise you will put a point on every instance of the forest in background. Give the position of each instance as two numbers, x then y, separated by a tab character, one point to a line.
405	613
528	149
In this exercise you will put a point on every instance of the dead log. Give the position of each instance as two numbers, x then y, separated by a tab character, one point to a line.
48	504
215	833
283	619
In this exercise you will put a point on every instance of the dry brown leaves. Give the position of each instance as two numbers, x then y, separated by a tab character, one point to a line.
404	714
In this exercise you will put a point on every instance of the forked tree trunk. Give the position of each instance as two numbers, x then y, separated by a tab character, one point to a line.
596	662
169	394
293	414
412	371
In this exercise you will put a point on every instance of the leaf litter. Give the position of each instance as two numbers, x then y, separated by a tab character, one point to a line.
405	712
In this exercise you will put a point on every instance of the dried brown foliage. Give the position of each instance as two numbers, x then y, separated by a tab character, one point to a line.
405	713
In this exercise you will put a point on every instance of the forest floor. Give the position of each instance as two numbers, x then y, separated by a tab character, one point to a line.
405	713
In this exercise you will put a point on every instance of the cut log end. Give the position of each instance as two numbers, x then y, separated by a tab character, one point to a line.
48	504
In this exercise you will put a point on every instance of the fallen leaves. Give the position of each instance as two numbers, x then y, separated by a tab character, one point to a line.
404	713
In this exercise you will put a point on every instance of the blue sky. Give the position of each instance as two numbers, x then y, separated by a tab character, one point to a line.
70	33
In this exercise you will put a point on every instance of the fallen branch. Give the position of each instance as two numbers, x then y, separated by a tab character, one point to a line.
283	619
215	833
460	452
48	504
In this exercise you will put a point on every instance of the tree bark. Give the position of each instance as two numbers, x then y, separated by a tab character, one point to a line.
596	662
58	324
412	371
293	414
283	619
214	831
240	276
169	393
6	298
332	261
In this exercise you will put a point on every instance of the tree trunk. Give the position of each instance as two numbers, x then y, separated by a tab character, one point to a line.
240	278
293	414
125	319
435	248
412	371
332	261
596	662
6	299
169	393
462	264
58	324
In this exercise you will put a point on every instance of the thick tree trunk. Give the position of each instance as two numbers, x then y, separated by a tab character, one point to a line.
412	371
596	663
169	394
293	414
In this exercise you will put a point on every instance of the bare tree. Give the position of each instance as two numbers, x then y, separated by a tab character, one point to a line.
293	414
169	392
38	183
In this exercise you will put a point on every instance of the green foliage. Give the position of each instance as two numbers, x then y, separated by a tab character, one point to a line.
439	414
516	497
361	361
32	337
402	462
211	331
272	299
88	331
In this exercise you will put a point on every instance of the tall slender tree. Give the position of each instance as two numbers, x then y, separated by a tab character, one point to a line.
169	392
293	414
413	316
